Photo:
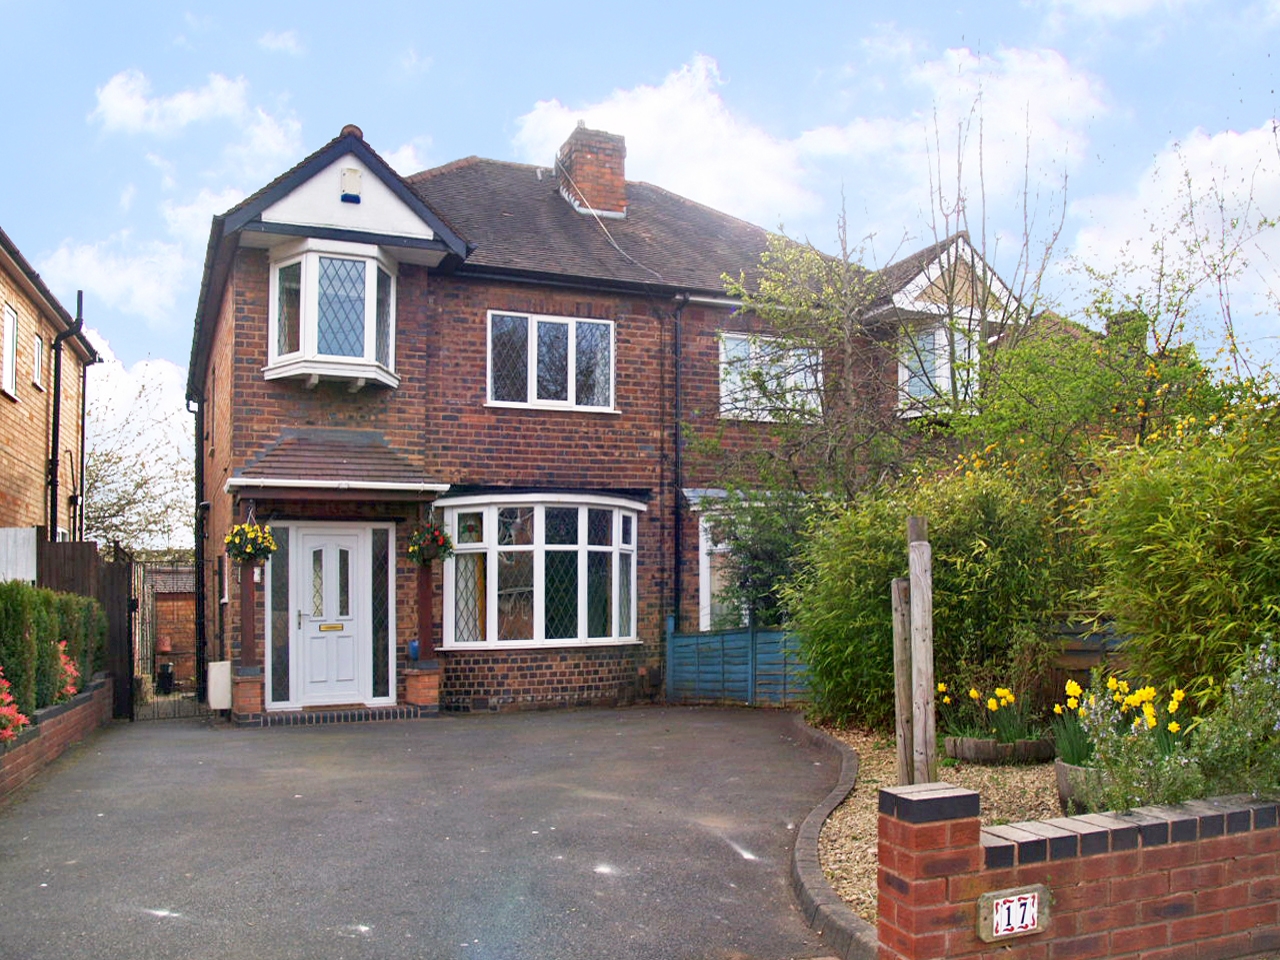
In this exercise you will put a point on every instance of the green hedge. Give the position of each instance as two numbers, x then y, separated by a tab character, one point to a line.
33	622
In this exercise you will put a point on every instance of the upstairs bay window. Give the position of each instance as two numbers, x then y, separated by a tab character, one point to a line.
937	365
332	313
541	361
540	571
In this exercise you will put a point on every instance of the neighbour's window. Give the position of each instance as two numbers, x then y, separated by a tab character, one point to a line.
762	379
550	361
925	371
37	363
9	352
533	571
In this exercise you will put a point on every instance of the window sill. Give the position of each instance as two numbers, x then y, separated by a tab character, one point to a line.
315	369
554	407
11	396
490	647
38	386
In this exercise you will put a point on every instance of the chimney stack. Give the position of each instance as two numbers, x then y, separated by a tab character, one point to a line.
591	168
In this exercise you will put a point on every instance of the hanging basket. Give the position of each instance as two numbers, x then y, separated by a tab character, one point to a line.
250	543
430	542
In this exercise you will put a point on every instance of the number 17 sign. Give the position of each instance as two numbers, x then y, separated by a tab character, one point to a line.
1003	914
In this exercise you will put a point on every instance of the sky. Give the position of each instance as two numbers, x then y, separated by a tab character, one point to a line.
1085	122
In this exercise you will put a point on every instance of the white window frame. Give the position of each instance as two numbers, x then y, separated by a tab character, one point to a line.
9	353
621	633
938	393
739	400
307	361
37	362
531	360
708	547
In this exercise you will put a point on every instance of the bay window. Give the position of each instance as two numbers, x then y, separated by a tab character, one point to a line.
540	570
332	313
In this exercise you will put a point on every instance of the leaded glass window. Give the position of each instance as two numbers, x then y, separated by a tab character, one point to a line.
280	637
380	610
382	319
317	583
550	360
344	583
289	306
340	321
546	573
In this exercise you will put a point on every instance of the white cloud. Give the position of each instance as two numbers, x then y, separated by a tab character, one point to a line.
1118	9
142	278
405	159
682	136
125	104
268	146
1234	180
189	222
1033	106
285	41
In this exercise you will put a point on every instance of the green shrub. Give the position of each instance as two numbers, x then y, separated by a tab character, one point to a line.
1238	745
18	643
48	631
1187	531
997	571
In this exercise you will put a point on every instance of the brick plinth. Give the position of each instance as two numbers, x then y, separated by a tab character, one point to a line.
422	686
1197	880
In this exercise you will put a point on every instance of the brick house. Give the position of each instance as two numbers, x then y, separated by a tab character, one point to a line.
43	357
507	348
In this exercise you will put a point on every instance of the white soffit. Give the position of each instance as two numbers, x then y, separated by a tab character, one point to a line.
318	203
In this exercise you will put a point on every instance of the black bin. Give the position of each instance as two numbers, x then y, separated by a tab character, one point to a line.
164	679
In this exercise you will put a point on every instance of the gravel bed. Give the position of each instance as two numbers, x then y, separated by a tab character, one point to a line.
847	845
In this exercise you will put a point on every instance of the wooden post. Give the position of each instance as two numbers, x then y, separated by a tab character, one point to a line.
900	591
426	600
924	735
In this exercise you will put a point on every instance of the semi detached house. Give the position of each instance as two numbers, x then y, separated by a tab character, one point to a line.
500	348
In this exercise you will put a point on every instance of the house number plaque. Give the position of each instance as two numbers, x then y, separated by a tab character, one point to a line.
1004	914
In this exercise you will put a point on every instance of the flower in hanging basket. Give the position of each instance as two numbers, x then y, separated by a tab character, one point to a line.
430	542
250	543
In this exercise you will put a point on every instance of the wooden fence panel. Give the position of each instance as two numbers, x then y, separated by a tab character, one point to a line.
736	666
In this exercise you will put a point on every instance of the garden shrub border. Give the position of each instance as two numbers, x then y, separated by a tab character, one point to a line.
53	729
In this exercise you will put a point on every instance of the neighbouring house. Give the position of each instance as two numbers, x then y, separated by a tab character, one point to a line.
43	357
509	350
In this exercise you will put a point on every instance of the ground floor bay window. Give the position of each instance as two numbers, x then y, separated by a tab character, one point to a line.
330	624
540	570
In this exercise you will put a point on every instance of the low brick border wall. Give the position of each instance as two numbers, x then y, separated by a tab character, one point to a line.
1196	880
52	730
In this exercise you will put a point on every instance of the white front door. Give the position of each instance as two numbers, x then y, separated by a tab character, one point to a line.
333	622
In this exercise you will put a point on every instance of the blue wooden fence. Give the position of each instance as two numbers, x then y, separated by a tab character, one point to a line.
736	666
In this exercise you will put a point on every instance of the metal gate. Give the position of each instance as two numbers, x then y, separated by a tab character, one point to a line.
166	663
746	665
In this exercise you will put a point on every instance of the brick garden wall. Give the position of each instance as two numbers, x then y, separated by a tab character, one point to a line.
1199	880
52	730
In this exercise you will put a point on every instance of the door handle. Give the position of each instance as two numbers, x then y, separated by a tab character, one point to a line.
299	619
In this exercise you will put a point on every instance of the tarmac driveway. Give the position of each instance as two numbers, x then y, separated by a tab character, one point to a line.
635	833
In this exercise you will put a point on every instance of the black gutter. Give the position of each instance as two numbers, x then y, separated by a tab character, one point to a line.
55	428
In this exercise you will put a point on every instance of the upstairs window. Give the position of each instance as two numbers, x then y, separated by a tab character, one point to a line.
550	361
332	313
927	376
763	379
9	352
37	363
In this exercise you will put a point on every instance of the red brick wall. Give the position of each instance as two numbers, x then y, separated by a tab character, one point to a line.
1161	883
26	421
593	169
53	730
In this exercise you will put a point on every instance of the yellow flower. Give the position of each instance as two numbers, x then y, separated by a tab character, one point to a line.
1073	689
1111	683
1179	695
1124	686
974	694
992	704
1057	708
942	687
946	699
1173	726
1082	712
1173	706
1073	703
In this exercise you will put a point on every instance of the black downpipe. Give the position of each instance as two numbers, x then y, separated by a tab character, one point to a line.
677	573
78	533
201	517
56	439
